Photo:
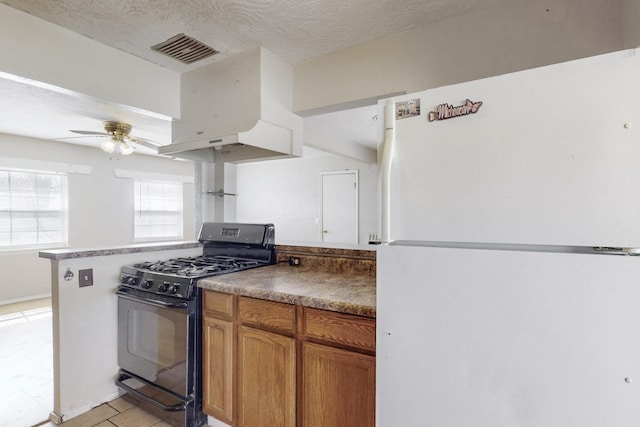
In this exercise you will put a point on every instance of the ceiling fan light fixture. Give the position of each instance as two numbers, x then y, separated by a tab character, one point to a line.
118	141
125	149
109	145
119	133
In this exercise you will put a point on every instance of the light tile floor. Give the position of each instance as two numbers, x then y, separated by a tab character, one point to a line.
121	412
26	363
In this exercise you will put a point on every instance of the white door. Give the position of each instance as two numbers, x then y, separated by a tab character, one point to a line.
340	206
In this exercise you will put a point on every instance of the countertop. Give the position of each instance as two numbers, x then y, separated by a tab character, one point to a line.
345	292
68	253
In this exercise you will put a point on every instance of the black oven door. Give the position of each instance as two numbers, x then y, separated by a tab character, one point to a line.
153	340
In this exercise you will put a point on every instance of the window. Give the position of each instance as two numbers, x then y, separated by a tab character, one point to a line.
158	210
33	209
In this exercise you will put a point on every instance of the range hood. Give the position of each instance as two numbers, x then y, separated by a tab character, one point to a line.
263	141
237	110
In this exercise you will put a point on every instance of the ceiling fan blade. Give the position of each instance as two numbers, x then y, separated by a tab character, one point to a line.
146	145
148	141
88	132
78	137
152	145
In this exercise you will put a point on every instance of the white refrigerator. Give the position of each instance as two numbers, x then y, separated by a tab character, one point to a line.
509	291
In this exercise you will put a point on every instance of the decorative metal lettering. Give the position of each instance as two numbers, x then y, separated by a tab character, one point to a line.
446	111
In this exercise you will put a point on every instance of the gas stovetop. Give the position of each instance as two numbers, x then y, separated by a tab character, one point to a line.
200	266
228	247
177	277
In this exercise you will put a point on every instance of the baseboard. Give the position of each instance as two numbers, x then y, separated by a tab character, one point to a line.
55	418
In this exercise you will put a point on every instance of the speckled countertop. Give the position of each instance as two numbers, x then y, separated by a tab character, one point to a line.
343	292
69	253
346	290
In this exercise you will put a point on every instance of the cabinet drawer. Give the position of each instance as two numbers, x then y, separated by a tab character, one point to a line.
218	304
267	314
339	328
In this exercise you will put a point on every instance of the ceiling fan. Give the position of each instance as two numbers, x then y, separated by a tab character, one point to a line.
119	139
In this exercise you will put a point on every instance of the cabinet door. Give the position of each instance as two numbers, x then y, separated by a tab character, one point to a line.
338	387
266	379
217	361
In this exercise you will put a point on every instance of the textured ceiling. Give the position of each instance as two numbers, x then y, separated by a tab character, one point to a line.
295	30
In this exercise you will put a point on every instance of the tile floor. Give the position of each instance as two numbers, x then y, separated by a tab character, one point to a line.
121	412
26	363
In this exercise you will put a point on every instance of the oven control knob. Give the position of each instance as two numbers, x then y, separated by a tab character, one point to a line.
131	281
163	287
147	284
173	289
124	279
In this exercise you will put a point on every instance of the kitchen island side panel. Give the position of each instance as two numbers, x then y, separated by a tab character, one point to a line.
488	338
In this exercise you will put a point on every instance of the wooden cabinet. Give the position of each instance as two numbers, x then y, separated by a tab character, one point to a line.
339	330
218	366
218	354
338	370
268	315
271	364
266	379
338	387
266	393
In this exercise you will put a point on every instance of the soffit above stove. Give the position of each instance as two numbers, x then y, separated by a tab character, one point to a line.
237	109
294	30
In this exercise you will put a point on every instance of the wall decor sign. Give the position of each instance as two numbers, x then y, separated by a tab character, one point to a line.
410	108
446	111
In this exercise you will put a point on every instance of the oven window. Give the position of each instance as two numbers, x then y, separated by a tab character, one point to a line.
152	337
152	340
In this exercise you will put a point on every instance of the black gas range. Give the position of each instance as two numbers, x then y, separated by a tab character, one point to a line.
227	248
159	317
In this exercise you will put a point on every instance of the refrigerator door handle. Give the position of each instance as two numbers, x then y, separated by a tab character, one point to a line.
386	162
617	251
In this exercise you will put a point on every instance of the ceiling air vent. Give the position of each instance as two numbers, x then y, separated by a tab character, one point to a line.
184	49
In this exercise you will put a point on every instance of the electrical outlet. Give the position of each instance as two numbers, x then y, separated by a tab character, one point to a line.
85	277
294	261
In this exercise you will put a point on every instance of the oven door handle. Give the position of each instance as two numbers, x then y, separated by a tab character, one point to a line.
177	407
151	301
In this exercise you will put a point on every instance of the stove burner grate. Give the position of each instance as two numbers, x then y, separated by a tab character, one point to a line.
198	266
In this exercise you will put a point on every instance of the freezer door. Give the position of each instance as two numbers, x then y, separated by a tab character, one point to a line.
551	158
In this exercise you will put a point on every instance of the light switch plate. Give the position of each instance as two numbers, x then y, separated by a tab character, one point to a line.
85	277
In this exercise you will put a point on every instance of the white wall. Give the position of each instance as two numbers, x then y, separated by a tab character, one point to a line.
514	35
100	206
287	193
